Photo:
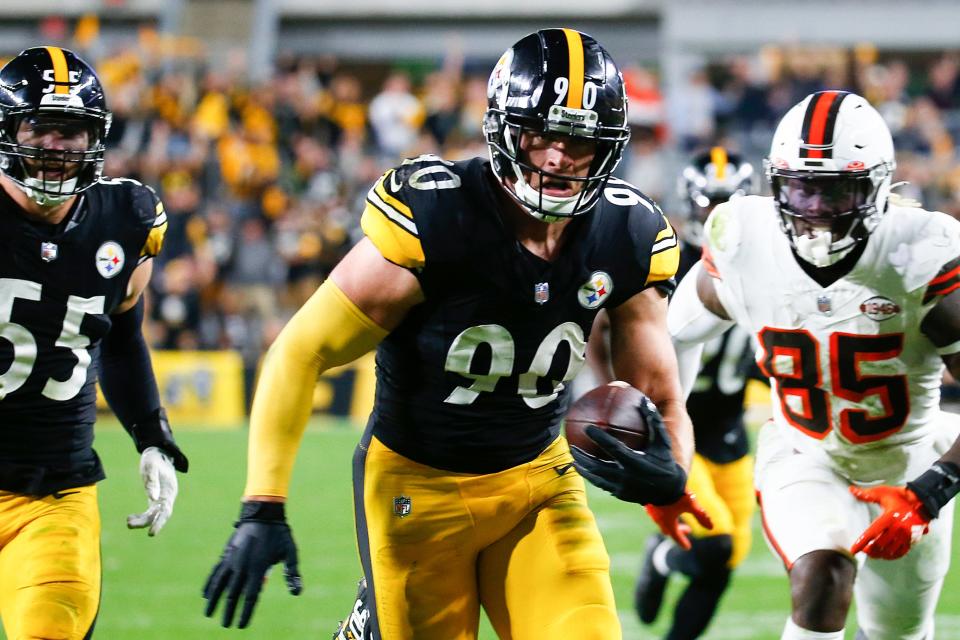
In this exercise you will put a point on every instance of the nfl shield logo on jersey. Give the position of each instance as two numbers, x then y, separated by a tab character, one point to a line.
48	251
823	305
109	259
402	506
541	292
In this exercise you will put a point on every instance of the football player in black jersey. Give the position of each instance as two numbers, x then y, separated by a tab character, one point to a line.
478	282
721	474
75	256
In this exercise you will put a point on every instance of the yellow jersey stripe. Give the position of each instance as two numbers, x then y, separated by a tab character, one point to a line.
401	221
718	156
388	199
154	241
394	241
664	255
575	69
61	74
664	233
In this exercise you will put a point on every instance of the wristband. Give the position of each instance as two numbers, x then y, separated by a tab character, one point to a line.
936	486
262	511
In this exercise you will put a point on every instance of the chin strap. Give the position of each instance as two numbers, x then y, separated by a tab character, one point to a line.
37	191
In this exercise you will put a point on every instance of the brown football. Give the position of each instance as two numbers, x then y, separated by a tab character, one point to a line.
613	407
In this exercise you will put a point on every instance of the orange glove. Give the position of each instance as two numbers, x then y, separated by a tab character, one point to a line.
667	518
902	523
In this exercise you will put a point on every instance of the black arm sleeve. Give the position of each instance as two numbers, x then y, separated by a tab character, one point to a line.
130	388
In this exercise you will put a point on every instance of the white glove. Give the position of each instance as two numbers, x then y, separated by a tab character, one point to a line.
160	482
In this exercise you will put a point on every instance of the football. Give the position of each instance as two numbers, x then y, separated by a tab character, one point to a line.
613	407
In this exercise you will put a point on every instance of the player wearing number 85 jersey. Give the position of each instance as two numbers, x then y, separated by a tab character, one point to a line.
853	296
75	256
478	282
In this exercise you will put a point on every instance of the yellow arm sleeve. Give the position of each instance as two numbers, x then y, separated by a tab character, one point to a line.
328	331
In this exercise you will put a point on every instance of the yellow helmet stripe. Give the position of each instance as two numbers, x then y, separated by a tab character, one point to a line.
61	75
718	157
575	69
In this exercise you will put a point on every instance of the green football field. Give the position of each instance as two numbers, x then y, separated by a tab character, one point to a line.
152	586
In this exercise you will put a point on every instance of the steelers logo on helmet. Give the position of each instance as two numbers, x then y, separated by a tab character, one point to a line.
53	124
555	85
830	168
711	178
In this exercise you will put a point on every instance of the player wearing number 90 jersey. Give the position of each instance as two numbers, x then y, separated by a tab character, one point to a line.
475	378
853	297
478	282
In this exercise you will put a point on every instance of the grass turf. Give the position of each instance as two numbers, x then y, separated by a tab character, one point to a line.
151	587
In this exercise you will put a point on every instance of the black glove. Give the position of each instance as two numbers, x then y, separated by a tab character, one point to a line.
262	539
646	477
154	431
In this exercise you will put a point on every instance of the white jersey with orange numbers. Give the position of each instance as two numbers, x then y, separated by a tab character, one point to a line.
852	375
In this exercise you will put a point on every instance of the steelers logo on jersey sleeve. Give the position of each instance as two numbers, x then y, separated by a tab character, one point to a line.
109	259
597	289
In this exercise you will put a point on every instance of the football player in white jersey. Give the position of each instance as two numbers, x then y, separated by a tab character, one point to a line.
854	297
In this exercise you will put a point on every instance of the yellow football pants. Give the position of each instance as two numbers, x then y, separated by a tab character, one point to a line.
726	492
49	564
522	543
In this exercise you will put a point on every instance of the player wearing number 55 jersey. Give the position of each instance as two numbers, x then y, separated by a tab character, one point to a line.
479	281
75	255
853	296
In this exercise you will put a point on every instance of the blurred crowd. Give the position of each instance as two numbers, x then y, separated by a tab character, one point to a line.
264	183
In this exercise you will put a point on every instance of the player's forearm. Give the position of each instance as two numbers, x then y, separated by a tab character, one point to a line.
327	332
126	372
680	429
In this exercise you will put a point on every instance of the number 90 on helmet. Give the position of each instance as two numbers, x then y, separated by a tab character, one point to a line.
830	168
44	90
561	82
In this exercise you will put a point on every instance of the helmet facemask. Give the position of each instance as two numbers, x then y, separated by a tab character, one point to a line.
505	134
826	214
52	175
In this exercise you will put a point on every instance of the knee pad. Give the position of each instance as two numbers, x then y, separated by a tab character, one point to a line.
50	621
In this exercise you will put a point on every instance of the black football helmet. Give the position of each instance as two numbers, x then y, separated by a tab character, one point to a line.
47	88
712	177
562	82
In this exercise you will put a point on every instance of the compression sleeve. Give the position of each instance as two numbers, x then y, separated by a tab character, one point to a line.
126	373
328	331
691	324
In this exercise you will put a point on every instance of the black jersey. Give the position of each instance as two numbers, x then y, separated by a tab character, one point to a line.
475	379
58	287
715	405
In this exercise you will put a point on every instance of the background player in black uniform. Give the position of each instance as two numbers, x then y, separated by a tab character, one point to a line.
478	282
721	474
75	256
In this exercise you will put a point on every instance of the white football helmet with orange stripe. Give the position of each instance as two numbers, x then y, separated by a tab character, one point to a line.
830	167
